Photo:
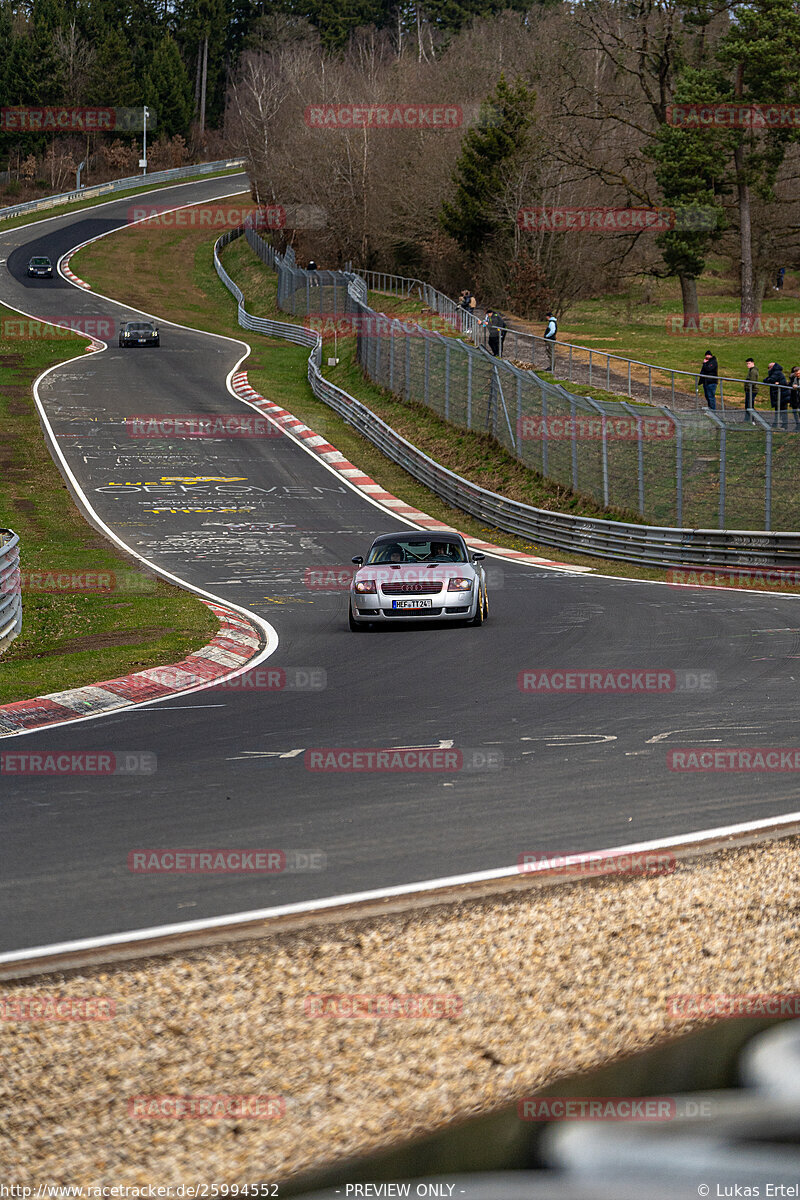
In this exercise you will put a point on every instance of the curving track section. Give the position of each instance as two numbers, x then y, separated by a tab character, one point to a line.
579	772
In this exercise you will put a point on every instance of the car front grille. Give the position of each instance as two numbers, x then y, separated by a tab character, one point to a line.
412	612
426	588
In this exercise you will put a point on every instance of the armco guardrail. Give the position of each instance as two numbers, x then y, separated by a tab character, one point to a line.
119	185
10	589
647	544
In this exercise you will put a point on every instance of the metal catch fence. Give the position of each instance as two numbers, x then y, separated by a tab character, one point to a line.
668	467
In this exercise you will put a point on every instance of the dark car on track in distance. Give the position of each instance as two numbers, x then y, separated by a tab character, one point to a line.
419	575
40	267
139	333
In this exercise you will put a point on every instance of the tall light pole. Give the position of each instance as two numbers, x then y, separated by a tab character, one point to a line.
143	160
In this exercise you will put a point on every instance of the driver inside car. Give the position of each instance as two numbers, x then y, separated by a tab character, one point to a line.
438	550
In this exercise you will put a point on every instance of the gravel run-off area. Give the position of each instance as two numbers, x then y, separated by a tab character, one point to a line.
551	981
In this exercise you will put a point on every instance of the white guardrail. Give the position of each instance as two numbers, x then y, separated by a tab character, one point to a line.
120	185
654	545
10	590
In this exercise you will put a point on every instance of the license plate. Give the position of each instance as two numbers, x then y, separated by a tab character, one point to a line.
142	341
412	604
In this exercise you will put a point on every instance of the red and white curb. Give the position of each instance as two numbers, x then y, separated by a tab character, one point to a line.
237	641
356	477
64	265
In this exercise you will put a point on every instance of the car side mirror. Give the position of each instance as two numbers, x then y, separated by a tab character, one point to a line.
358	560
477	557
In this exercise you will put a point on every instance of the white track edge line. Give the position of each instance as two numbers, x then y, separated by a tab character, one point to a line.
269	631
310	906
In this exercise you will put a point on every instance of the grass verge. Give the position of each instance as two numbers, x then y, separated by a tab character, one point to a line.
77	637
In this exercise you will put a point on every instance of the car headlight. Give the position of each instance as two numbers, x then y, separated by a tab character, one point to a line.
366	585
459	584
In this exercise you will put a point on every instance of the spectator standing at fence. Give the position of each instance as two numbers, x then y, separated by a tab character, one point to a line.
550	331
709	378
494	332
750	390
794	395
778	394
779	279
464	299
497	332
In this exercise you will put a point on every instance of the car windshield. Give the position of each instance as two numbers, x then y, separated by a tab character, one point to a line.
443	550
40	262
139	327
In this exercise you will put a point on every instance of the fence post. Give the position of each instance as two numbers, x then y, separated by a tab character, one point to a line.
604	428
678	463
427	369
408	366
767	468
519	417
722	464
391	356
640	455
544	430
469	390
573	408
447	379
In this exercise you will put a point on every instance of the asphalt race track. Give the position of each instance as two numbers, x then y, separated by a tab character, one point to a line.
579	772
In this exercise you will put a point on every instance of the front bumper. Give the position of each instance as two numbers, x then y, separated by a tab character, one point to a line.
446	606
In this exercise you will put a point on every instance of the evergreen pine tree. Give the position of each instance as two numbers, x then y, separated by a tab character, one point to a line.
167	89
470	218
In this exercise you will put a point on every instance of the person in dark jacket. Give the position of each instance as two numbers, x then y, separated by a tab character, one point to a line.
709	378
794	395
750	390
497	331
779	391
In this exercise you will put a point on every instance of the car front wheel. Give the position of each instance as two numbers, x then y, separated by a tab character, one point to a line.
355	625
482	610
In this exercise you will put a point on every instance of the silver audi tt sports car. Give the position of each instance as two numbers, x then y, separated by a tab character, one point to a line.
423	576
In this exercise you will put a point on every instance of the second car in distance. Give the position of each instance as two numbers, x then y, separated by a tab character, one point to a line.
139	333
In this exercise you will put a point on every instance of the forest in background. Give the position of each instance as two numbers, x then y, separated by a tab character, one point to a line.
563	105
